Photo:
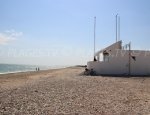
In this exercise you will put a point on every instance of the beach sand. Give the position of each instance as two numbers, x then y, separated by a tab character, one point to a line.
65	92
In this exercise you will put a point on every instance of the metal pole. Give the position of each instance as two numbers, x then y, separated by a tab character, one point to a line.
119	28
130	58
116	27
94	34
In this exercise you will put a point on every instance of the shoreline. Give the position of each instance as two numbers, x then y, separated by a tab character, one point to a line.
15	72
18	68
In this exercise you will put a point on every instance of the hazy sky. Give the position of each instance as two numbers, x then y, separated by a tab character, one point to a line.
60	32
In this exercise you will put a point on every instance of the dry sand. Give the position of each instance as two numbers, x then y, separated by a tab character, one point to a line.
65	92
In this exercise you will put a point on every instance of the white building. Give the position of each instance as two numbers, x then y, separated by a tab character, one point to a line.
116	60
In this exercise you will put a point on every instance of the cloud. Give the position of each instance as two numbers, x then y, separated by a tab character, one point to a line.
9	36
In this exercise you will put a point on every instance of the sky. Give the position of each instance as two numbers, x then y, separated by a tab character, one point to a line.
60	32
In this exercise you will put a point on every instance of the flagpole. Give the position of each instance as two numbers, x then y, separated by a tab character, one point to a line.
119	28
116	27
94	35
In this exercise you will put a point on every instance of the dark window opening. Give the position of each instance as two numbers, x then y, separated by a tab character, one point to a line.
134	58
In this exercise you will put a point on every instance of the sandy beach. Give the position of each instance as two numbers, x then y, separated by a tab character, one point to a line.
66	92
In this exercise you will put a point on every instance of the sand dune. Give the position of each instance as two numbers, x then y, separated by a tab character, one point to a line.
64	92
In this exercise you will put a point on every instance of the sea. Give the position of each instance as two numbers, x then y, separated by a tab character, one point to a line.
15	68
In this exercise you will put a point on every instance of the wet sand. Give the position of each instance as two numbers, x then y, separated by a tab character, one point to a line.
65	92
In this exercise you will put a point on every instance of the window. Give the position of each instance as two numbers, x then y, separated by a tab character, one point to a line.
106	56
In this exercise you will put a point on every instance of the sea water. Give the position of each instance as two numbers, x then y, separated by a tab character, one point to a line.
14	68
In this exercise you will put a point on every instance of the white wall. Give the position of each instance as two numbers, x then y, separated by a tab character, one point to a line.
119	63
142	64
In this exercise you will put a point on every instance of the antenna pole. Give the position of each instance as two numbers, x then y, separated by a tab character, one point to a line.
119	28
116	27
94	34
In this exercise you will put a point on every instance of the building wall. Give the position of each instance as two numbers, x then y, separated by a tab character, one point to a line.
119	63
142	64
